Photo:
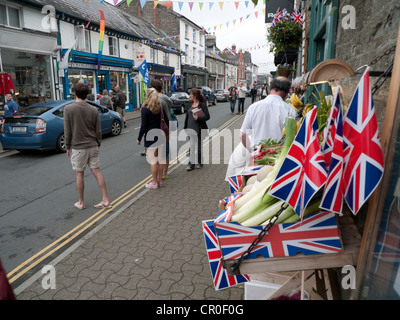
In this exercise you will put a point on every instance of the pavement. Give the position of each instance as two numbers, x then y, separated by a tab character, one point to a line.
153	249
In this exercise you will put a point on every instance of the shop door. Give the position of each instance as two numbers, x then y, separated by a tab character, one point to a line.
103	80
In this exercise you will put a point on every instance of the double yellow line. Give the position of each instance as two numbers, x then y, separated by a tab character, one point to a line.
72	234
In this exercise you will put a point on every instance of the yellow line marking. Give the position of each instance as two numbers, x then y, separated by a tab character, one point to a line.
88	223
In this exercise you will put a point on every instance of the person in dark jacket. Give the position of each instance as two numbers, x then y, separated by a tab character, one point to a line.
151	119
195	120
120	99
6	291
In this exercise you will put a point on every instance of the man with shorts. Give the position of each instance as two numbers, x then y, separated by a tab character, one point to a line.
82	133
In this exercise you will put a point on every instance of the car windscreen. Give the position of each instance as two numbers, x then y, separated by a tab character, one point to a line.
34	111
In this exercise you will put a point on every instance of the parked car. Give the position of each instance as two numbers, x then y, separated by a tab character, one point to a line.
222	95
180	102
209	96
41	126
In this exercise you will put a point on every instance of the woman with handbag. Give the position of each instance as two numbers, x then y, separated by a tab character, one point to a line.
153	116
195	122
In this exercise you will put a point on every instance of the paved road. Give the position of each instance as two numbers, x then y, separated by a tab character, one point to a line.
38	190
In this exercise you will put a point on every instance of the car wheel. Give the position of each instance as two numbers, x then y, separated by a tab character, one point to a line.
116	128
60	146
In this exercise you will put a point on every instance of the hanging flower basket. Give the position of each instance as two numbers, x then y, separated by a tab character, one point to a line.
284	70
285	32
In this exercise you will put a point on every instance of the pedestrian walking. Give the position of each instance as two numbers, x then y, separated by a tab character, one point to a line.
253	94
10	106
105	100
242	95
167	105
82	133
120	99
151	113
195	121
264	91
112	96
233	95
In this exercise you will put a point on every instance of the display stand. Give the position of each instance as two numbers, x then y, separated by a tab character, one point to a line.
351	241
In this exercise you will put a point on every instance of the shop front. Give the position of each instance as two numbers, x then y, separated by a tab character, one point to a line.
113	72
193	76
28	64
162	73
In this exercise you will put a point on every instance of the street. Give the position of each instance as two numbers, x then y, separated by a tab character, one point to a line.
38	220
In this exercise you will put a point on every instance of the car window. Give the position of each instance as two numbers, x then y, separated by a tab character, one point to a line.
34	111
59	112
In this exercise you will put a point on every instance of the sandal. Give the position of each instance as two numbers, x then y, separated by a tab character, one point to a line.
76	205
101	206
152	185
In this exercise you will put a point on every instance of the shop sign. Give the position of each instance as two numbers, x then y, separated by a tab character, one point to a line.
77	65
271	6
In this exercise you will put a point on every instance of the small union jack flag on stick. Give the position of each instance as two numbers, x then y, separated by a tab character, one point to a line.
297	17
221	278
303	172
332	198
362	152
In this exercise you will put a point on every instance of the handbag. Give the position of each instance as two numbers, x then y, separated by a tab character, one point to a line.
163	125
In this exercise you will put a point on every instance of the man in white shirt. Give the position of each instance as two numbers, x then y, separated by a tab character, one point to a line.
242	95
267	117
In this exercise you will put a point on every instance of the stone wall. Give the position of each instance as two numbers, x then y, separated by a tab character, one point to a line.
377	25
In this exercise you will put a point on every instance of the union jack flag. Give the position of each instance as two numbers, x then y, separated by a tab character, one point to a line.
297	17
221	278
303	172
277	17
316	234
332	198
235	183
225	215
362	153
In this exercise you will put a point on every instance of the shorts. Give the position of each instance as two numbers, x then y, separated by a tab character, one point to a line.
121	111
82	157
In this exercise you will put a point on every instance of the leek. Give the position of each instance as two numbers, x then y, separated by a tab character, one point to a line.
266	214
286	214
255	201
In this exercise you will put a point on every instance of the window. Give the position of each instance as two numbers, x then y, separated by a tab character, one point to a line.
9	16
83	38
186	31
153	55
195	36
113	46
165	58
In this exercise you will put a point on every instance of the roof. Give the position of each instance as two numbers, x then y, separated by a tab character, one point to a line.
116	19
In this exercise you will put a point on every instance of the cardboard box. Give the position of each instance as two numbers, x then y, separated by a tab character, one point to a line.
318	233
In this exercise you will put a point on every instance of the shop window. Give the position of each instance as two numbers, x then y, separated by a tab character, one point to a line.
83	38
84	76
113	46
9	16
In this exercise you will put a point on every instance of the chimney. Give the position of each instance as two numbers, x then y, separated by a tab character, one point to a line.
234	47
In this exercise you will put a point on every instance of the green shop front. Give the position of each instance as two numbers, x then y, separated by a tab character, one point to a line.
113	72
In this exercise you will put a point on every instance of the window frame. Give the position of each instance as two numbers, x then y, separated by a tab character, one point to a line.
115	46
7	17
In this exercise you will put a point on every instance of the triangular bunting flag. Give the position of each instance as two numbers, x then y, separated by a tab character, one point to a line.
191	5
246	3
180	4
210	5
168	4
234	21
201	5
221	4
236	4
128	2
142	3
256	14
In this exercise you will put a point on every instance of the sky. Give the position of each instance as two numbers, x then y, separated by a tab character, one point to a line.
237	22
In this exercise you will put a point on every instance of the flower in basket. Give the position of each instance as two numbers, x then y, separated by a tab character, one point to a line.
284	69
285	31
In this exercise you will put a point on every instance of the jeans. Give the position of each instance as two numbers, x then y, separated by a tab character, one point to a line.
195	148
233	104
241	103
